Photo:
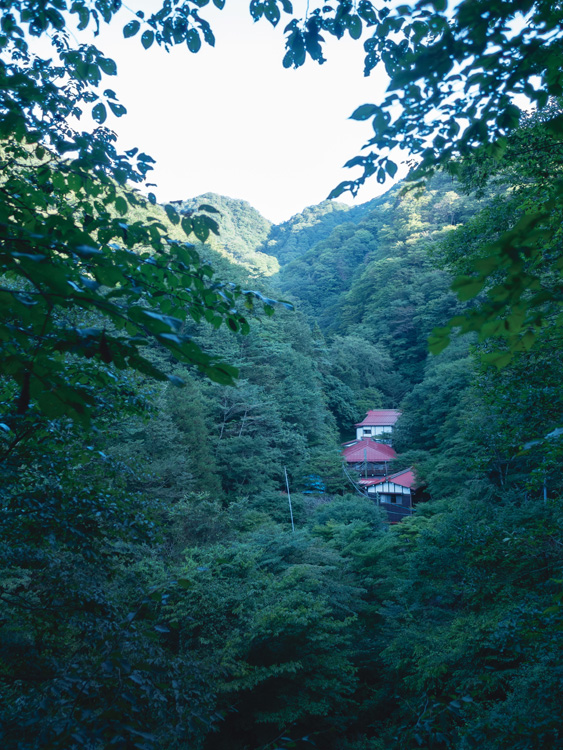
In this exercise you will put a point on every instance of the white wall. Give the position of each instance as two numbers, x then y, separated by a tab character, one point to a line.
390	488
373	431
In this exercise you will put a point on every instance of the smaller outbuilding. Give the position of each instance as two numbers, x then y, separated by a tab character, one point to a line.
394	492
378	425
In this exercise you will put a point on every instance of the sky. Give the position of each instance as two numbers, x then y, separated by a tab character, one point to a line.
232	120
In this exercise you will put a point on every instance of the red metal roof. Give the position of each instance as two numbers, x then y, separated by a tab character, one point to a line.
379	417
360	450
404	478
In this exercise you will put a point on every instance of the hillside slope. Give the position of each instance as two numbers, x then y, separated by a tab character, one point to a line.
375	279
243	231
294	237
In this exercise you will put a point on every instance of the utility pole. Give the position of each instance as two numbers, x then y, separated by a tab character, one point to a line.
289	500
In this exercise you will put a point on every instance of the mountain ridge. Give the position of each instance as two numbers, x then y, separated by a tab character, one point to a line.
250	240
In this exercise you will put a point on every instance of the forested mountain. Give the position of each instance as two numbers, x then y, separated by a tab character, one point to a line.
293	238
243	231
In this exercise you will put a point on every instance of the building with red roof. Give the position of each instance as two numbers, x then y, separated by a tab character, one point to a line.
394	492
378	424
367	464
368	457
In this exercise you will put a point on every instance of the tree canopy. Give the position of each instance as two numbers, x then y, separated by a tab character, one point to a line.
90	268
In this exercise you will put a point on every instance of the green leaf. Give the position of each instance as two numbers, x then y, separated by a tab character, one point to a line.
509	117
117	109
222	374
172	214
193	40
339	189
467	287
187	225
355	27
84	18
256	9
108	66
525	342
439	339
364	112
131	29
99	113
555	126
487	264
296	43
121	205
200	227
211	224
498	359
147	38
272	12
367	12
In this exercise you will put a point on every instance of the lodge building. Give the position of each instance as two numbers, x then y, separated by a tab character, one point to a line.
367	460
367	457
378	424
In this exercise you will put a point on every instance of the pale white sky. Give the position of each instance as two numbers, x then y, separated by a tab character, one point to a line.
232	120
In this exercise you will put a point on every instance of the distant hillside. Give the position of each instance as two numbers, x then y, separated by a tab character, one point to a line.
376	279
294	237
243	230
249	240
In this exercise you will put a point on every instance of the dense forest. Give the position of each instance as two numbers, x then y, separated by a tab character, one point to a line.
159	590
